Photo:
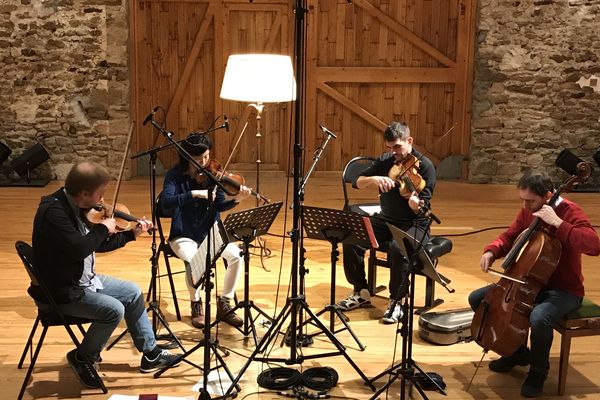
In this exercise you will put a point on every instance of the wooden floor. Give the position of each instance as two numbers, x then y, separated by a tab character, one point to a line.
461	207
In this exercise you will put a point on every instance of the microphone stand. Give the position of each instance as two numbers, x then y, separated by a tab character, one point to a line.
306	340
209	344
296	303
405	370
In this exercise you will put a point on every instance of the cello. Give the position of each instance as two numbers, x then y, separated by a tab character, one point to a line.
501	322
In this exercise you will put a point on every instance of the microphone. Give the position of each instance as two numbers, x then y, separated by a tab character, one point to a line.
151	115
327	131
226	123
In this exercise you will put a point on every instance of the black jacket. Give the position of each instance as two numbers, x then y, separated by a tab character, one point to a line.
60	248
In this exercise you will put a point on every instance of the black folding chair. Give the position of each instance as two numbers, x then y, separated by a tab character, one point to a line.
48	315
164	248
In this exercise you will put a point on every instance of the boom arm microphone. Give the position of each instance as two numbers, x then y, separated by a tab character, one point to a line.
226	123
151	115
327	131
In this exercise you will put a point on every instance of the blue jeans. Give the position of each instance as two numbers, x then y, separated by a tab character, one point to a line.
107	307
550	306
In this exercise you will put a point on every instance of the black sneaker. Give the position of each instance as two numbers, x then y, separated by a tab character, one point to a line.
505	364
83	370
164	359
534	384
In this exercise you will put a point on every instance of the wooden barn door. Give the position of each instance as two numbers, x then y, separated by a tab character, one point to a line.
376	61
179	53
369	62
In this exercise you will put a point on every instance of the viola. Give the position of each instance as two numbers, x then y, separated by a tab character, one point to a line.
125	221
501	322
406	175
231	182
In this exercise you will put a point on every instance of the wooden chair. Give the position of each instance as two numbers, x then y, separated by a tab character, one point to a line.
437	246
584	321
48	315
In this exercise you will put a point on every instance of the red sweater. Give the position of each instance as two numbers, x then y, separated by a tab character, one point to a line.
576	235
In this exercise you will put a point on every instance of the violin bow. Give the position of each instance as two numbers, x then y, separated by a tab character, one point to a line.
234	149
118	187
427	151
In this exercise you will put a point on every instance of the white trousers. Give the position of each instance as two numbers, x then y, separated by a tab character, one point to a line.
194	256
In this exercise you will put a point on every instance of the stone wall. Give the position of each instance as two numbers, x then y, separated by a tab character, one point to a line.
532	94
65	81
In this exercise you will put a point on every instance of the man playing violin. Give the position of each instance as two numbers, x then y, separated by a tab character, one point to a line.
187	199
564	291
65	247
396	210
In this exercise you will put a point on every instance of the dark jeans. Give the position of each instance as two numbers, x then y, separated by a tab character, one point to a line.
354	258
550	306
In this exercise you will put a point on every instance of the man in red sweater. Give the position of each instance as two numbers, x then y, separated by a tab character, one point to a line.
564	292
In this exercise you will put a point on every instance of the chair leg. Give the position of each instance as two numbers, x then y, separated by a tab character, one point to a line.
372	274
29	343
563	364
173	292
38	347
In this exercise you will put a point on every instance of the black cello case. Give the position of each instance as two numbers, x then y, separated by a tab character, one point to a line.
446	327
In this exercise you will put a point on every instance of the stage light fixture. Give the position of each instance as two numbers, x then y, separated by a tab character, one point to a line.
29	160
4	152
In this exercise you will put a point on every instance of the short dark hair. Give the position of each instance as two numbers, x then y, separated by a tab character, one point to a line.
396	130
86	176
196	145
536	181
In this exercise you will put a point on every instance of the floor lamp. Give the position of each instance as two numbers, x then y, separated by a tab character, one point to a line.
258	79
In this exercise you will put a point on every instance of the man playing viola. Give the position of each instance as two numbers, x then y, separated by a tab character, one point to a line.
65	247
564	291
397	210
187	200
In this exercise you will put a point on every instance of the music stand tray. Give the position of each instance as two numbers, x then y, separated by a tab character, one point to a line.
404	239
337	226
253	222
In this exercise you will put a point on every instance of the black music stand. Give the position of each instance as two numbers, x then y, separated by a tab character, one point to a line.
246	226
405	370
336	226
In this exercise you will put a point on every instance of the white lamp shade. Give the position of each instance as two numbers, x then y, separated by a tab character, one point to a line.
259	78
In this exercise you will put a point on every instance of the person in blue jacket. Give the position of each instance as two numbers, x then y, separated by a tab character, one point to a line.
186	197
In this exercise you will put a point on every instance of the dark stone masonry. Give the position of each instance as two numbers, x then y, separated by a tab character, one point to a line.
532	93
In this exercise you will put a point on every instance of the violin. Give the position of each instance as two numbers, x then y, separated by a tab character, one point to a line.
119	212
231	182
406	175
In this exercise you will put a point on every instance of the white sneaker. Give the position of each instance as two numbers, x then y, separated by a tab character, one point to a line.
355	300
393	314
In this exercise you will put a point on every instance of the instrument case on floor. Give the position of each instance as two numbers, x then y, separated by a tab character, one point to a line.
446	327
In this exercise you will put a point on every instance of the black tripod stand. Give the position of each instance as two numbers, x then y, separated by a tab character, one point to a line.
405	370
336	227
153	306
246	226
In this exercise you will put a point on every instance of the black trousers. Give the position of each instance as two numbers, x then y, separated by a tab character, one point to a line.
354	257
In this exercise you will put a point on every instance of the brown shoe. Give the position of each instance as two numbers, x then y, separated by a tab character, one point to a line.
223	308
197	314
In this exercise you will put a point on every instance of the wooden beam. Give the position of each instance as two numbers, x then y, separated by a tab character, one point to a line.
404	32
386	75
364	114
